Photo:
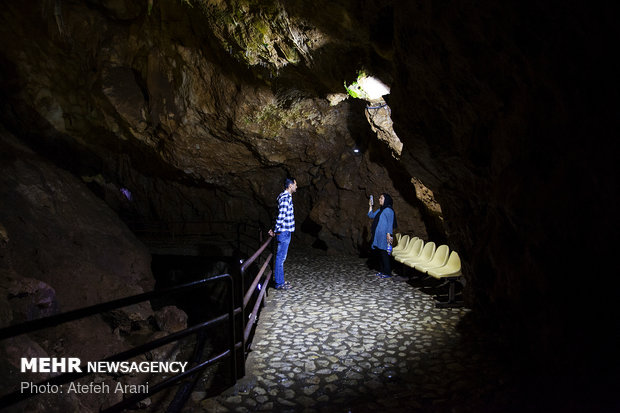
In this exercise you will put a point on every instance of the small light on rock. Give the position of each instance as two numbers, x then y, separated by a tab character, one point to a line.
127	193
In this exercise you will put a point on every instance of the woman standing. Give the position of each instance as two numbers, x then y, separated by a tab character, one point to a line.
383	224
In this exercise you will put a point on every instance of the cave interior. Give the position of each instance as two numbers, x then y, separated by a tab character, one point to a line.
128	128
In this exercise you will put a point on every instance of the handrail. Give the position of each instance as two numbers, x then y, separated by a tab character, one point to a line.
250	260
234	344
248	294
253	316
55	320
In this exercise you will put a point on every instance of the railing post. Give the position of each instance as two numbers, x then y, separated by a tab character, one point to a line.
239	354
232	342
274	250
260	241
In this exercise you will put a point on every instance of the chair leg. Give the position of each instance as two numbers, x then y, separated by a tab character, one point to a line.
451	291
451	296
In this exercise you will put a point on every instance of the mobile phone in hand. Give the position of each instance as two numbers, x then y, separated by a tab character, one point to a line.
372	201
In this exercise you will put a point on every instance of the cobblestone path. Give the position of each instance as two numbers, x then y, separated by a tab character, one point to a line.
343	340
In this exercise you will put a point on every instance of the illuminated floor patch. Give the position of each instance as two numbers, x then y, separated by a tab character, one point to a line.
344	340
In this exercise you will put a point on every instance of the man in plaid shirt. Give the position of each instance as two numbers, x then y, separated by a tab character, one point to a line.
285	225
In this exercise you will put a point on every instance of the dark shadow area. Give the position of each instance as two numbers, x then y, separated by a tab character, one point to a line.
528	383
434	287
312	228
172	270
200	306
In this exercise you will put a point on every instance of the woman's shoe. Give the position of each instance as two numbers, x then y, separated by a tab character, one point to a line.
384	276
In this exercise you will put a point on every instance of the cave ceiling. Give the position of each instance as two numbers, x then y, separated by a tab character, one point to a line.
208	103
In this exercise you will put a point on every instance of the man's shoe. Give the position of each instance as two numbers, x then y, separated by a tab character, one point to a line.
284	286
384	276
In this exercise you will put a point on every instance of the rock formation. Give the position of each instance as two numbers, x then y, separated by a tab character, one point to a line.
200	108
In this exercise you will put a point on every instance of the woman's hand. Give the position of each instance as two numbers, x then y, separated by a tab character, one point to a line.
390	239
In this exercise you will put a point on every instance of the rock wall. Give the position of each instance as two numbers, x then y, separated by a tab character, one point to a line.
62	248
59	233
508	122
153	102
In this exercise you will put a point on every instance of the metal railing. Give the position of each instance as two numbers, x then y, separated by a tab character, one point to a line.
260	281
238	331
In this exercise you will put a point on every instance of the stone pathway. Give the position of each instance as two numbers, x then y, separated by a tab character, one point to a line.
343	340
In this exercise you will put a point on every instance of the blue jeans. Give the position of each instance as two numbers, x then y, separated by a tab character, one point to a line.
284	239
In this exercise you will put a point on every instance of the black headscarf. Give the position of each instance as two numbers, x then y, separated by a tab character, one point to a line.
387	203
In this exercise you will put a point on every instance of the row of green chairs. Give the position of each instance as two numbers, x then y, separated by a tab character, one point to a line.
438	262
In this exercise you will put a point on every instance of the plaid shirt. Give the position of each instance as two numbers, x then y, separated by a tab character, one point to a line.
286	216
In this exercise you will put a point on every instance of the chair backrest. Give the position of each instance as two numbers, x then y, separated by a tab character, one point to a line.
415	248
400	247
402	242
409	247
440	257
454	263
428	251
